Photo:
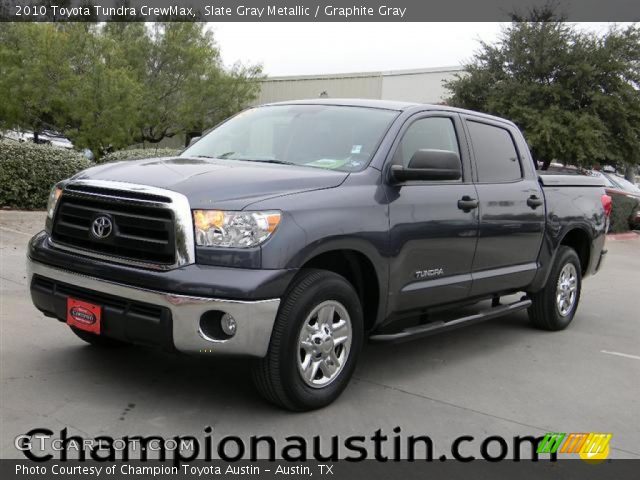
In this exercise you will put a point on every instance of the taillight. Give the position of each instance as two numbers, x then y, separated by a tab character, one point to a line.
606	204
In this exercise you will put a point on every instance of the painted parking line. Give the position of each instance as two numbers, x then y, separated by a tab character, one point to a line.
618	354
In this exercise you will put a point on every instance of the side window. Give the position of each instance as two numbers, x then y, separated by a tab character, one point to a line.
432	133
496	156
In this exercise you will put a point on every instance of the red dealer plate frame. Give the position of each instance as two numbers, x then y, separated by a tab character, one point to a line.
84	315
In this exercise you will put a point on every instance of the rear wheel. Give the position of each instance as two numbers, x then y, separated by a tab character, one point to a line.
97	340
315	343
554	306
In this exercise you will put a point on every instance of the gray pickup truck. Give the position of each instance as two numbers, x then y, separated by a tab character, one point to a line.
293	232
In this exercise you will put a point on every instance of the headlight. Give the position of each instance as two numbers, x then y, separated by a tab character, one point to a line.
54	196
215	228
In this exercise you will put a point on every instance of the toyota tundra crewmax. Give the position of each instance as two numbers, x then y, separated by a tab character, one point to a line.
293	232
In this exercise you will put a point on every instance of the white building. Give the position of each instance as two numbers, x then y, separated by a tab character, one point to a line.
423	85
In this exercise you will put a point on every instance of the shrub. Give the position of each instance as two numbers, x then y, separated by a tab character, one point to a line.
623	213
137	154
28	171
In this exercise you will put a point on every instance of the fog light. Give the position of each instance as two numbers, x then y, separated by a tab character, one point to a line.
228	324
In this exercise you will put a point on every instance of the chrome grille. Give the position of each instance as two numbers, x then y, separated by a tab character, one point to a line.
150	227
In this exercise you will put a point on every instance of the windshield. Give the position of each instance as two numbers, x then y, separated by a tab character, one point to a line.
324	136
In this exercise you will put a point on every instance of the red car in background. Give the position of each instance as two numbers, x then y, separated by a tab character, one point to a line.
617	185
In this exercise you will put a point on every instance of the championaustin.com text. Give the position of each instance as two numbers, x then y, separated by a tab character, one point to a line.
43	445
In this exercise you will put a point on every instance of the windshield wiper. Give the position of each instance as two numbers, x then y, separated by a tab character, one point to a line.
226	155
279	162
222	156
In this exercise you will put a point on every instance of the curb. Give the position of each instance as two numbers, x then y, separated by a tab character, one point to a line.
623	236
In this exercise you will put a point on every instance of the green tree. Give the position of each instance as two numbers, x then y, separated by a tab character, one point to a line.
574	94
185	86
102	108
114	84
33	67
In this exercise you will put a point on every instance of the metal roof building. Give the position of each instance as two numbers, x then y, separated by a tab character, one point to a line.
422	85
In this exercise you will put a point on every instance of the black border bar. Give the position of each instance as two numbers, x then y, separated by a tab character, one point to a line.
314	10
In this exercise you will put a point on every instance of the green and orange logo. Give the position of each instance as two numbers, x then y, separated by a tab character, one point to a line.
592	447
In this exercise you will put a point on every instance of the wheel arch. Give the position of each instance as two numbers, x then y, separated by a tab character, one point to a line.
576	237
579	240
359	269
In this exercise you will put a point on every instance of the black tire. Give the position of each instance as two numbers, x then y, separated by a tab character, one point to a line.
277	376
544	312
98	340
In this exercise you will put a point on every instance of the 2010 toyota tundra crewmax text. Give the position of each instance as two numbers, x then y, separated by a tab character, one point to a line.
292	232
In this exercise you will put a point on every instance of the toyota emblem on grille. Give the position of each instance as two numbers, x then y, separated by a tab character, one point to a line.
101	227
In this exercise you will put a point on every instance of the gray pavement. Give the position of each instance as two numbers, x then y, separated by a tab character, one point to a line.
497	378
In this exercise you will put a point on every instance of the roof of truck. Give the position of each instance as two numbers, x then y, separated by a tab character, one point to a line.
386	105
351	102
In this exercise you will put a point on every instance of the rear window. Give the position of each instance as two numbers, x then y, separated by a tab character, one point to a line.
496	155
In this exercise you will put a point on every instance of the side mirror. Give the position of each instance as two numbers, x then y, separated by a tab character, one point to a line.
429	165
193	140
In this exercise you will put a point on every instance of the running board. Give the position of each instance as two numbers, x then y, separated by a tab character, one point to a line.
437	327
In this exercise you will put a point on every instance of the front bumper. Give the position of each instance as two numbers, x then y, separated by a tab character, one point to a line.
179	314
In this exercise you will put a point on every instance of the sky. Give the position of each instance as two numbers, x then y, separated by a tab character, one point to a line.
317	48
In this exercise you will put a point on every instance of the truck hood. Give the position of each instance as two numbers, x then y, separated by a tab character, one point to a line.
214	183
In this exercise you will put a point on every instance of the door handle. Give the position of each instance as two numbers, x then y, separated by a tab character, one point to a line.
534	201
466	203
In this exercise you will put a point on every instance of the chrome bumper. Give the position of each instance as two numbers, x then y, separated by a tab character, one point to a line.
254	319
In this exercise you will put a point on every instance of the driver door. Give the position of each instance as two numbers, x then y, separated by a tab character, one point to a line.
432	238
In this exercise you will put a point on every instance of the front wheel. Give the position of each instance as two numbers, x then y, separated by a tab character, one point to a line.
554	306
315	343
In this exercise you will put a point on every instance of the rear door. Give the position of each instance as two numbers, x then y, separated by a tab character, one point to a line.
512	212
432	238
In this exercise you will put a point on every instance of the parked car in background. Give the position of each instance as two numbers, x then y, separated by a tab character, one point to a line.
618	185
624	184
16	135
46	137
56	139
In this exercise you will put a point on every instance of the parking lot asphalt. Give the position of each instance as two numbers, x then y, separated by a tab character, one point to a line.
501	377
